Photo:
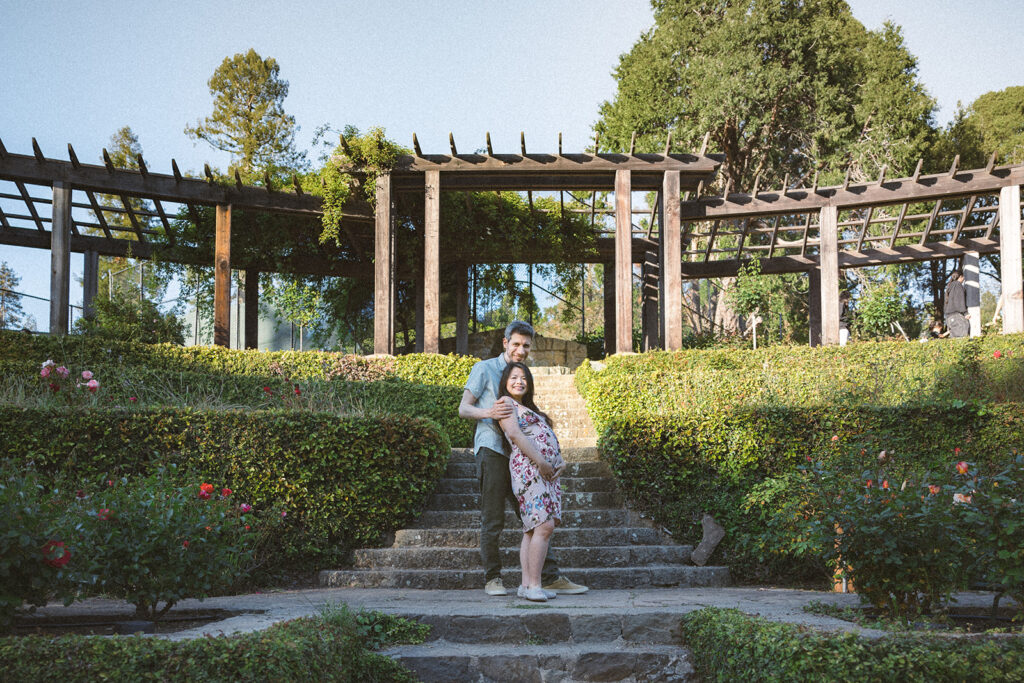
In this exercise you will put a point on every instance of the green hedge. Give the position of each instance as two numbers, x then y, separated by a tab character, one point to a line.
727	645
723	431
343	481
333	647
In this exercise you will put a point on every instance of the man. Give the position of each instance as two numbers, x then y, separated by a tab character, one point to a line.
955	307
480	402
844	318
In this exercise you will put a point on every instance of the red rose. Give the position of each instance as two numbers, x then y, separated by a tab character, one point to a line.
56	555
933	489
297	392
203	495
997	354
208	488
885	483
266	390
961	467
226	492
247	527
103	514
184	544
868	483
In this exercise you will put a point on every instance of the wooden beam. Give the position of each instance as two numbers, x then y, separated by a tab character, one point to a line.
931	221
252	308
623	263
553	163
828	258
814	306
462	310
432	263
90	281
1010	263
609	307
671	274
60	258
895	191
222	277
383	260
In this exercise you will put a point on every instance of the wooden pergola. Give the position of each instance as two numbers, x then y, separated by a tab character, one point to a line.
689	235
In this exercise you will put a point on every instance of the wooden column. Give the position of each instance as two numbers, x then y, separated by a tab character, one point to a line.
252	308
828	260
972	285
461	310
609	308
671	260
623	262
90	281
383	262
814	304
432	263
60	258
222	277
1010	259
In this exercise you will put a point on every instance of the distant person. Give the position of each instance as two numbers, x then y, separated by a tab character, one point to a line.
480	402
955	308
535	467
844	318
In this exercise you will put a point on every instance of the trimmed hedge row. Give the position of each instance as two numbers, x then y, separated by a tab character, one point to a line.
432	369
343	481
727	645
723	431
332	647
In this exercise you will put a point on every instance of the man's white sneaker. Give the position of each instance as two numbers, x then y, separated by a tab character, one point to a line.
495	587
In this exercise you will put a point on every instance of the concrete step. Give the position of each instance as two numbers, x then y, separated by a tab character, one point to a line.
586	500
469	558
464	469
443	661
470	519
470	538
569	484
618	578
590	454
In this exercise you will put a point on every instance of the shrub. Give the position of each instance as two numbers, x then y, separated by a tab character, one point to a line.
125	318
343	481
152	539
32	555
729	646
335	646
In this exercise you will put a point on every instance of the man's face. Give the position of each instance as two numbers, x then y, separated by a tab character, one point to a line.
518	347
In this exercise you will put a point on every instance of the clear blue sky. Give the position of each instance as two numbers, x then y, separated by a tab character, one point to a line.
77	71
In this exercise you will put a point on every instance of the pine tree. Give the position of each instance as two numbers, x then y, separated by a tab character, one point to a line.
11	314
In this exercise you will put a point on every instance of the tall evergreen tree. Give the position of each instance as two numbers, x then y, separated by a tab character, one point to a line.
11	314
248	119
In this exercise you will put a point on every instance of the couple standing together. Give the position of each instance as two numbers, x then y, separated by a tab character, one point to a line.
518	459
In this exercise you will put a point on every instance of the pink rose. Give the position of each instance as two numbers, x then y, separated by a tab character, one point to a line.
997	354
204	495
63	372
45	372
245	507
835	438
93	385
86	375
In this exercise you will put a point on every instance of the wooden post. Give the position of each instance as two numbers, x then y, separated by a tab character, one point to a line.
623	262
1010	259
222	277
814	304
672	263
609	308
90	281
432	263
461	310
252	308
649	300
972	285
60	258
828	261
383	261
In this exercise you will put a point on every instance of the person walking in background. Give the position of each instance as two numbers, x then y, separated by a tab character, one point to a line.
844	318
480	402
535	467
954	309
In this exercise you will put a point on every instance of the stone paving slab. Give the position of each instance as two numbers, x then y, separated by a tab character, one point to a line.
267	608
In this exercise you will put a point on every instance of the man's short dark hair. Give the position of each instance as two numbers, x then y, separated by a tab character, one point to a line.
519	327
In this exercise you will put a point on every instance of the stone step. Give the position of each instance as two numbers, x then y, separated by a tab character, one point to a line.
469	558
466	469
569	484
470	519
619	578
590	454
585	500
470	538
441	661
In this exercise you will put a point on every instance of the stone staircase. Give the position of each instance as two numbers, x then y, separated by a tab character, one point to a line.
555	393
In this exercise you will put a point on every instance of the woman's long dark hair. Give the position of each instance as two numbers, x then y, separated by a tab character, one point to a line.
528	395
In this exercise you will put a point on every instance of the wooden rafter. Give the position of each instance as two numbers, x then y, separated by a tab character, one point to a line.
30	202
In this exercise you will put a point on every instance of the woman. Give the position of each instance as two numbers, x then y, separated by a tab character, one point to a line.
535	465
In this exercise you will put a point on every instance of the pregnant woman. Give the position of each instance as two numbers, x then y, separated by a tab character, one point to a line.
535	466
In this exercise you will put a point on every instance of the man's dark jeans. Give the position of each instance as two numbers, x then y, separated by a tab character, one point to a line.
495	489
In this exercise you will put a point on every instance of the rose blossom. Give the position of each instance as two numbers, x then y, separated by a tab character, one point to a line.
104	514
868	483
203	495
206	488
86	375
997	354
48	364
961	498
933	489
961	467
835	438
184	544
93	385
45	372
56	555
245	507
226	492
63	372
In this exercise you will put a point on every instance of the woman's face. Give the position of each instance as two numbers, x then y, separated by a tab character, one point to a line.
516	386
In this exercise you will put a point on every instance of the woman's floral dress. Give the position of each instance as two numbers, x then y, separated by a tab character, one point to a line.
539	499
